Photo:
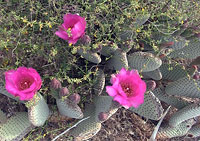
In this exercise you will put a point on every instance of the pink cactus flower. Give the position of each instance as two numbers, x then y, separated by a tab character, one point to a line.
127	88
72	29
23	82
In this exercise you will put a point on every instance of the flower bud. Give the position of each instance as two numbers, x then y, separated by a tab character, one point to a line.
75	98
85	40
196	76
167	44
64	91
151	85
195	67
55	84
102	116
162	56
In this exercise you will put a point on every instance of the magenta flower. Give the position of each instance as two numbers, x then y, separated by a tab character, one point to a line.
72	29
127	88
23	82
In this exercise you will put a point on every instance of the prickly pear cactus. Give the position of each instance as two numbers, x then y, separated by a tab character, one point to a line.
143	61
155	74
194	131
171	100
3	117
108	49
141	19
6	93
118	60
38	113
105	104
189	52
15	128
99	82
174	71
178	43
87	128
90	56
186	113
151	108
167	131
68	108
185	86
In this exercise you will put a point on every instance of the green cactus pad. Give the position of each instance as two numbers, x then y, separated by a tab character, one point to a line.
167	131
118	60
6	93
126	35
55	93
15	128
174	71
171	100
68	108
39	112
151	108
143	61
141	19
87	128
179	43
90	56
104	104
180	31
195	62
108	50
188	32
89	110
3	117
195	131
191	51
184	87
155	74
99	82
186	113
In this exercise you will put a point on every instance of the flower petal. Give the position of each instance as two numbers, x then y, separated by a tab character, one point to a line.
111	91
127	79
62	34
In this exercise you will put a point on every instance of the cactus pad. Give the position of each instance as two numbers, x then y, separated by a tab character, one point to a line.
104	104
155	74
186	113
6	93
174	71
195	131
15	128
179	43
151	108
171	100
68	108
184	87
143	61
191	51
99	82
141	19
3	117
90	56
39	112
118	60
167	131
108	50
87	128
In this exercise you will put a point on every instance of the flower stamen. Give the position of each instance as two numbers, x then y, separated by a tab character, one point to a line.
127	89
25	84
